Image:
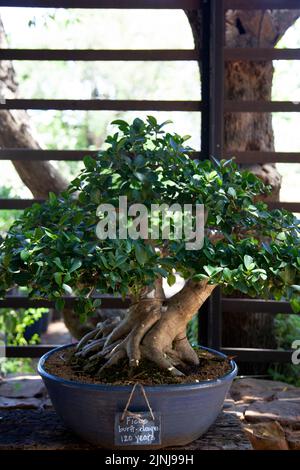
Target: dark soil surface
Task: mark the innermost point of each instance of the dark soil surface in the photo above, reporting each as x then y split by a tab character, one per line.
211	367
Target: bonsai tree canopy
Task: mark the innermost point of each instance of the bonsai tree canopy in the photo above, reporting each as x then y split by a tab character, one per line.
54	250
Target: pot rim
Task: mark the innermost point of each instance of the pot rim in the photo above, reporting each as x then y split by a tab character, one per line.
151	388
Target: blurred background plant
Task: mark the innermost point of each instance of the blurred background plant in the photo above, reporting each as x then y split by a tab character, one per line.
287	329
21	327
7	217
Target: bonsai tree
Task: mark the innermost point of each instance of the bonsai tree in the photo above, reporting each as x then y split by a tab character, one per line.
55	249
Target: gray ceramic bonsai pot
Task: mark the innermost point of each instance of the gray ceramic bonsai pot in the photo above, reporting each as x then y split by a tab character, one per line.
186	410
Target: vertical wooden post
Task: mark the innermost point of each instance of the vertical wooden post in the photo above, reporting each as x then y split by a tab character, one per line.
212	138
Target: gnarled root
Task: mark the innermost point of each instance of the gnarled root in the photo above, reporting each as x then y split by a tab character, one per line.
149	331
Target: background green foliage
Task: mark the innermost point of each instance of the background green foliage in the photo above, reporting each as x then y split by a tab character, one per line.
13	324
287	328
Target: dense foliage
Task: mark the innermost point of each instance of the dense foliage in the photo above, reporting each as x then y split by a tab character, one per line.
53	248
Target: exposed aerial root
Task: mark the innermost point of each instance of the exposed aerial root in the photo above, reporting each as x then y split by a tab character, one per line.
91	347
123	328
175	360
153	314
108	326
90	335
106	350
112	361
160	359
184	350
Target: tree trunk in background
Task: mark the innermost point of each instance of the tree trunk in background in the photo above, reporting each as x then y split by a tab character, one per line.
249	80
39	177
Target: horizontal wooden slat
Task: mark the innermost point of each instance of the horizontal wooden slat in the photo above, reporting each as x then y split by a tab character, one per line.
260	4
77	155
256	53
32	154
130	4
103	105
25	302
17	203
261	106
289	206
99	55
28	351
258	355
67	155
153	4
228	305
259	306
252	156
149	105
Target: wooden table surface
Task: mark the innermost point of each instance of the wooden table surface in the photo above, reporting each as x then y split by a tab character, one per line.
44	430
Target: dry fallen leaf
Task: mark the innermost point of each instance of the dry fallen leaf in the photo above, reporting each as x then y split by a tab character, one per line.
267	436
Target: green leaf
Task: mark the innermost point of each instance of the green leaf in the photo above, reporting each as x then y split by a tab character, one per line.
173	144
75	265
120	122
287	275
40	263
267	247
152	121
52	198
67	277
231	191
248	262
199	277
67	288
138	124
50	234
165	123
59	304
209	270
295	304
58	263
58	278
241	286
161	271
89	162
141	254
227	274
171	279
104	261
281	236
24	255
97	303
140	176
295	287
139	161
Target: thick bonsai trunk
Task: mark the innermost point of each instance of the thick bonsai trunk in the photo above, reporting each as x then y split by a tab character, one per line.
152	330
